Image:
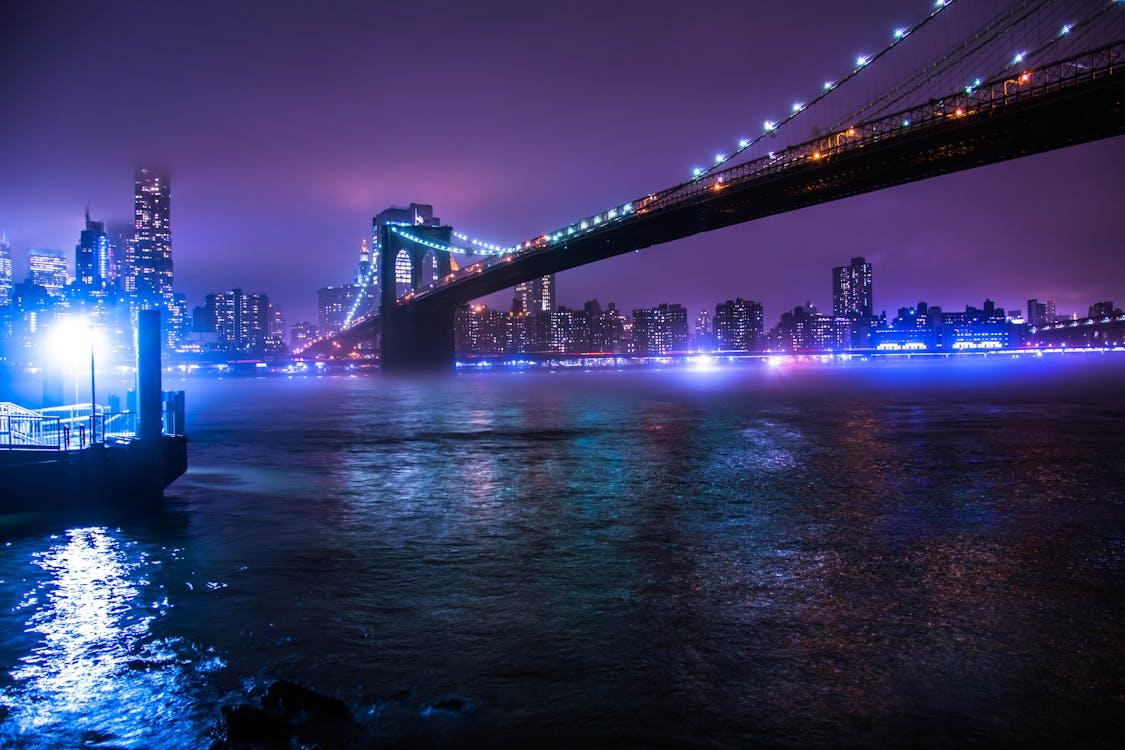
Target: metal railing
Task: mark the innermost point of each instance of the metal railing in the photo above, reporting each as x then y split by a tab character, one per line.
73	427
31	431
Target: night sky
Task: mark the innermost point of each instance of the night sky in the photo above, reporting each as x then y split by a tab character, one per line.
287	126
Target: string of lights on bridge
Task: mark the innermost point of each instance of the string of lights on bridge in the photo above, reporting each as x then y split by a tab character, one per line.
769	127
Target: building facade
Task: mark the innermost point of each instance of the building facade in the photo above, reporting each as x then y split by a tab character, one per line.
148	266
242	321
739	326
660	330
92	256
47	268
851	290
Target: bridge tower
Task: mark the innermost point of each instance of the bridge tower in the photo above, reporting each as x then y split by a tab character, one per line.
414	336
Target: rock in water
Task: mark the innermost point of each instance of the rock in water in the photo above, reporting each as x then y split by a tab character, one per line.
249	724
299	705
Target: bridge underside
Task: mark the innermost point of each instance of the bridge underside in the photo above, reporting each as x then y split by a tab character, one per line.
1067	117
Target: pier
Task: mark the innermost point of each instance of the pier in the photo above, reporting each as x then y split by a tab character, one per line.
80	455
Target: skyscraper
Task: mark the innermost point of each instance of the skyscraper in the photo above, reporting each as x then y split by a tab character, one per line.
47	268
851	290
536	296
5	271
91	256
241	320
149	262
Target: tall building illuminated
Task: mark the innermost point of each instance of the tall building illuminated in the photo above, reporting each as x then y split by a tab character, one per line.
851	290
241	320
149	260
91	255
5	271
536	296
47	268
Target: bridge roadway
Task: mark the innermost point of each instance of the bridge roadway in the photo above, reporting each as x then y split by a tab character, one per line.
1071	102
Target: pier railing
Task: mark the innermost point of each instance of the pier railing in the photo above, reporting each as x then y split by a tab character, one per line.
74	427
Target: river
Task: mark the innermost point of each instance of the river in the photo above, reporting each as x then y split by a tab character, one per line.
797	554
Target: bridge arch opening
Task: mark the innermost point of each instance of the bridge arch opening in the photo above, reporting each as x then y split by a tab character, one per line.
429	269
403	272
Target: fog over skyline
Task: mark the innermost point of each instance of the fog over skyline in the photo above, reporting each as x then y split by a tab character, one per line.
286	127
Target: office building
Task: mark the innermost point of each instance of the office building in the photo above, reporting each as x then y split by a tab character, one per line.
148	266
535	296
851	290
92	256
241	320
47	268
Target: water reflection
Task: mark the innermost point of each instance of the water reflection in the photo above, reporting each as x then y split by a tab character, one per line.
95	674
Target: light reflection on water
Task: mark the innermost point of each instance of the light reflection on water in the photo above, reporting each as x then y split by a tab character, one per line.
770	556
94	673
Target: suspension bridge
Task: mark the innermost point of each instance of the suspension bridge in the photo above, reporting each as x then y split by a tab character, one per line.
1007	80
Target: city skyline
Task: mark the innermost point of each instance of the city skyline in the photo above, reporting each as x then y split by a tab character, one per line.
249	216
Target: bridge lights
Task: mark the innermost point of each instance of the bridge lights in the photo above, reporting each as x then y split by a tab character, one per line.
769	125
697	172
720	158
862	60
829	85
1064	30
1018	58
743	143
900	32
798	106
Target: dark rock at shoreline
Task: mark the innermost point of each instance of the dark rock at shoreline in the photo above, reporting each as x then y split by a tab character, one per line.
249	724
301	705
288	714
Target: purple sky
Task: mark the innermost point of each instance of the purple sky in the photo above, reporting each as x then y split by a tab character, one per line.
286	126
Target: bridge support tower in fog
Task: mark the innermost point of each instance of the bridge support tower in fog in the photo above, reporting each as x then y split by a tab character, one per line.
414	336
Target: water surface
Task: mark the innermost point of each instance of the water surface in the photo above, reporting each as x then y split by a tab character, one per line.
795	555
